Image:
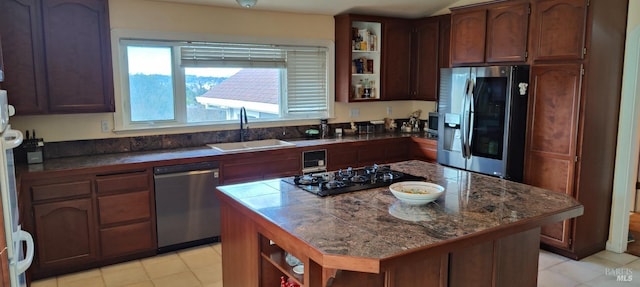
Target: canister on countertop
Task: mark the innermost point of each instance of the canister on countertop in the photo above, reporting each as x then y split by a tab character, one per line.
324	128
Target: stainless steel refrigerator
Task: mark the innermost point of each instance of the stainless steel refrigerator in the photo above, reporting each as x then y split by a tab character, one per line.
482	119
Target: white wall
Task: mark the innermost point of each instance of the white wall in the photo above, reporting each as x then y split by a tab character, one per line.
157	16
628	137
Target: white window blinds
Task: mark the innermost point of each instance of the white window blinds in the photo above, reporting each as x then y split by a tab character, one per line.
232	55
306	69
307	81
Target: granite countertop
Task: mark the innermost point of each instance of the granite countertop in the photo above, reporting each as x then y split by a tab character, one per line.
175	154
374	224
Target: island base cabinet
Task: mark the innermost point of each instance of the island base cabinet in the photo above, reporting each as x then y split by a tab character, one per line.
240	253
509	261
252	256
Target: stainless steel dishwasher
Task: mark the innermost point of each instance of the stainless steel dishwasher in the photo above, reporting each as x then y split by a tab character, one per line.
187	211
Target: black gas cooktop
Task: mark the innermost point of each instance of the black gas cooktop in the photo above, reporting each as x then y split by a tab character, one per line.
348	180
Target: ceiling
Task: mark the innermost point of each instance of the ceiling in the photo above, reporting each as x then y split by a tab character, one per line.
398	8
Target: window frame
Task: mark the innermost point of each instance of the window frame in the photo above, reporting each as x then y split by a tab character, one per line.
121	78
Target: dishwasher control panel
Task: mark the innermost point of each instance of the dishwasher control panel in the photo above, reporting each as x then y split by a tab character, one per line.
314	161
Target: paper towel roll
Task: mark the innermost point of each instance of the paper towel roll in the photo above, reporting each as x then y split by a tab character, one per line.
4	110
7	110
3	98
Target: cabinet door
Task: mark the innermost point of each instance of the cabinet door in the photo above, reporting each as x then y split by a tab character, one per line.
445	41
468	30
78	56
559	29
396	65
24	69
426	59
343	58
396	150
373	152
126	239
261	165
342	156
65	233
423	149
550	151
507	27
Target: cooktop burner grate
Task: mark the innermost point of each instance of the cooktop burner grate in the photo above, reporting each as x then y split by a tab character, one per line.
349	180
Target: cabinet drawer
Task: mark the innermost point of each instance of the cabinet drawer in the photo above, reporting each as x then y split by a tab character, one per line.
124	207
261	165
123	182
126	239
61	190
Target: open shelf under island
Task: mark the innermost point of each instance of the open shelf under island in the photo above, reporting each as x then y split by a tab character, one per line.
482	231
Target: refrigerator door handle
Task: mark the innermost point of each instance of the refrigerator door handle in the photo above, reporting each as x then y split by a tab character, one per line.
463	123
466	119
471	124
24	264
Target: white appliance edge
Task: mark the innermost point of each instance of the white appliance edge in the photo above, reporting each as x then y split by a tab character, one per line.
9	139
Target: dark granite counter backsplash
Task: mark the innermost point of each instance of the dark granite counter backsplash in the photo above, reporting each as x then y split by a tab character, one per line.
53	150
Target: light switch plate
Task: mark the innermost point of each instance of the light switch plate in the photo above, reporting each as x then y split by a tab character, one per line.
354	113
104	126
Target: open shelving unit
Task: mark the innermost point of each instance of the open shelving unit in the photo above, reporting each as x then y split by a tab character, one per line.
359	57
274	265
365	60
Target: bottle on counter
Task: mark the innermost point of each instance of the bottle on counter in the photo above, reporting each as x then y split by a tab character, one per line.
324	128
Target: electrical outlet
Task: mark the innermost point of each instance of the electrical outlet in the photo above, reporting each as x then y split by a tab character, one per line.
354	113
104	126
389	111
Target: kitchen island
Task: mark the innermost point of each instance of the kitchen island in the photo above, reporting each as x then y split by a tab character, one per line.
482	231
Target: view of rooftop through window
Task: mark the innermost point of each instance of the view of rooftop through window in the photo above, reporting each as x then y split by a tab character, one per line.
178	83
210	94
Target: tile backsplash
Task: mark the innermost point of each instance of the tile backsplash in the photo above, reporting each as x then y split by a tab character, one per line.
157	142
64	149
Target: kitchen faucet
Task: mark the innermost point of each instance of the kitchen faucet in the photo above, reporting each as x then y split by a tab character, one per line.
244	124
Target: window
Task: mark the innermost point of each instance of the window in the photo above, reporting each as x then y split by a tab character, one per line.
178	83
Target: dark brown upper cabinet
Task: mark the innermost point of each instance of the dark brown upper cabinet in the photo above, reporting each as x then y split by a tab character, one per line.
22	46
430	53
468	30
57	56
507	27
396	73
489	33
559	30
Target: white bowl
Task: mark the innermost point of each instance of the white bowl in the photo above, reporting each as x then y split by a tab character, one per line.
416	192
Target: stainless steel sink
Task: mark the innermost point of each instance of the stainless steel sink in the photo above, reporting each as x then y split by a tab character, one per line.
251	145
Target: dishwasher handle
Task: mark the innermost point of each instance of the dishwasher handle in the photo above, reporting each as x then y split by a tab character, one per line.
215	172
180	168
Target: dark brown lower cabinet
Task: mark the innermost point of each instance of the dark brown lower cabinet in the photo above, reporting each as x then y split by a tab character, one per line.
126	239
366	153
423	149
65	233
551	148
261	165
81	221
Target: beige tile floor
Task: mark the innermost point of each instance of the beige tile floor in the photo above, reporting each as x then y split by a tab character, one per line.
201	266
194	267
598	270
